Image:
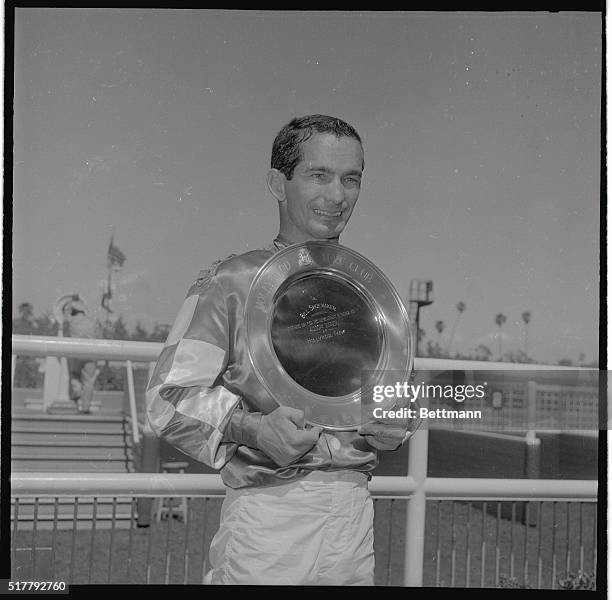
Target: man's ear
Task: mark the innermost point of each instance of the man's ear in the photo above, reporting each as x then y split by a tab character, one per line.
276	184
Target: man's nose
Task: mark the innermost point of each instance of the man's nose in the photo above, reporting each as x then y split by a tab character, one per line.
335	192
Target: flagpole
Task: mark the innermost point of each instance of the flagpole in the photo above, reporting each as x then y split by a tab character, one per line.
108	293
114	261
106	296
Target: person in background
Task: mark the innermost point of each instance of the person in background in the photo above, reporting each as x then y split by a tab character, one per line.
83	372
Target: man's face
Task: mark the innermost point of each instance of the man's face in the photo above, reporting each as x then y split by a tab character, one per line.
324	188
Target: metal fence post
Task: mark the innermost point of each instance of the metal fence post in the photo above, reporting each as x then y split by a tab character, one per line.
149	464
417	504
532	449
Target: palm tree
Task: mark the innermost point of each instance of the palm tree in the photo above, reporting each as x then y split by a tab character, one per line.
460	308
26	311
440	328
25	323
500	319
526	318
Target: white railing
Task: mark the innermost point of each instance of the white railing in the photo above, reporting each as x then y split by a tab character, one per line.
416	487
128	351
152	485
38	345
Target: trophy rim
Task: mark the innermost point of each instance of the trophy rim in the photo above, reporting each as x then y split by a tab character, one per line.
380	300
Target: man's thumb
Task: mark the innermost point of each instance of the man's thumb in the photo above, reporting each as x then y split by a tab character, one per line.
316	431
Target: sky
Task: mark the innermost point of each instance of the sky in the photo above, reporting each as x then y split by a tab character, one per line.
482	148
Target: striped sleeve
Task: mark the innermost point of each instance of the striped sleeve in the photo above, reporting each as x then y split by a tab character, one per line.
187	404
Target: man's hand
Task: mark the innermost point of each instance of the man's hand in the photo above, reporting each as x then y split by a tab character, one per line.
383	437
282	437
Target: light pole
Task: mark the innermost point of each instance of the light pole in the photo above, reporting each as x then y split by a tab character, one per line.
420	294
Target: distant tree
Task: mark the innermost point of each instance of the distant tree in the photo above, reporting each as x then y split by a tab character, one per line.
160	332
140	333
460	308
517	356
566	362
521	357
526	318
500	319
25	323
46	325
483	352
28	369
120	331
26	311
439	328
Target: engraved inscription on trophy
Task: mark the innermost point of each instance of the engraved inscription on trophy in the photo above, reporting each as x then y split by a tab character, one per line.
324	333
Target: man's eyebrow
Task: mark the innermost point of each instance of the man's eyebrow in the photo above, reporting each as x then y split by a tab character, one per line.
328	170
315	168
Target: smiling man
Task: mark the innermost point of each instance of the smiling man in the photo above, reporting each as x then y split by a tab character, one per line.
297	509
317	183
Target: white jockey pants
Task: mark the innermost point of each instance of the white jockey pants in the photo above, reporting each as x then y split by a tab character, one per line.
315	531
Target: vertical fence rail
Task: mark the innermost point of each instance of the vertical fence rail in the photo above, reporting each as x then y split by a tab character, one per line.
567	539
34	532
526	548
93	537
497	548
594	541
14	540
132	400
112	541
169	518
204	555
54	536
148	563
453	545
540	529
483	545
438	550
467	546
186	547
553	578
580	536
390	540
75	515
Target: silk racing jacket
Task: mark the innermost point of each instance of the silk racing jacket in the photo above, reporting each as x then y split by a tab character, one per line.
204	374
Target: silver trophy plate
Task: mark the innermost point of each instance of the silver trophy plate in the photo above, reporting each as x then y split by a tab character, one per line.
323	323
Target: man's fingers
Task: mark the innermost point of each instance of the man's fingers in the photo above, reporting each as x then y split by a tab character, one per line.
381	429
307	436
381	444
294	415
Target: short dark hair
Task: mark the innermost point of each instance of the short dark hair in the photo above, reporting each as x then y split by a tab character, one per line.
287	146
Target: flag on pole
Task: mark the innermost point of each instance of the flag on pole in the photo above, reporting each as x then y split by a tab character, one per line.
114	258
107	294
114	261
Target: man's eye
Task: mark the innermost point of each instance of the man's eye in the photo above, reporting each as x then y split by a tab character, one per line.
352	181
318	176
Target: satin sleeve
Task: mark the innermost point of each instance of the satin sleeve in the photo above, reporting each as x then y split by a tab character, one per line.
187	404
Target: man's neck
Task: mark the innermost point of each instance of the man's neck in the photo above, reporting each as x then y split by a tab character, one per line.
287	240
